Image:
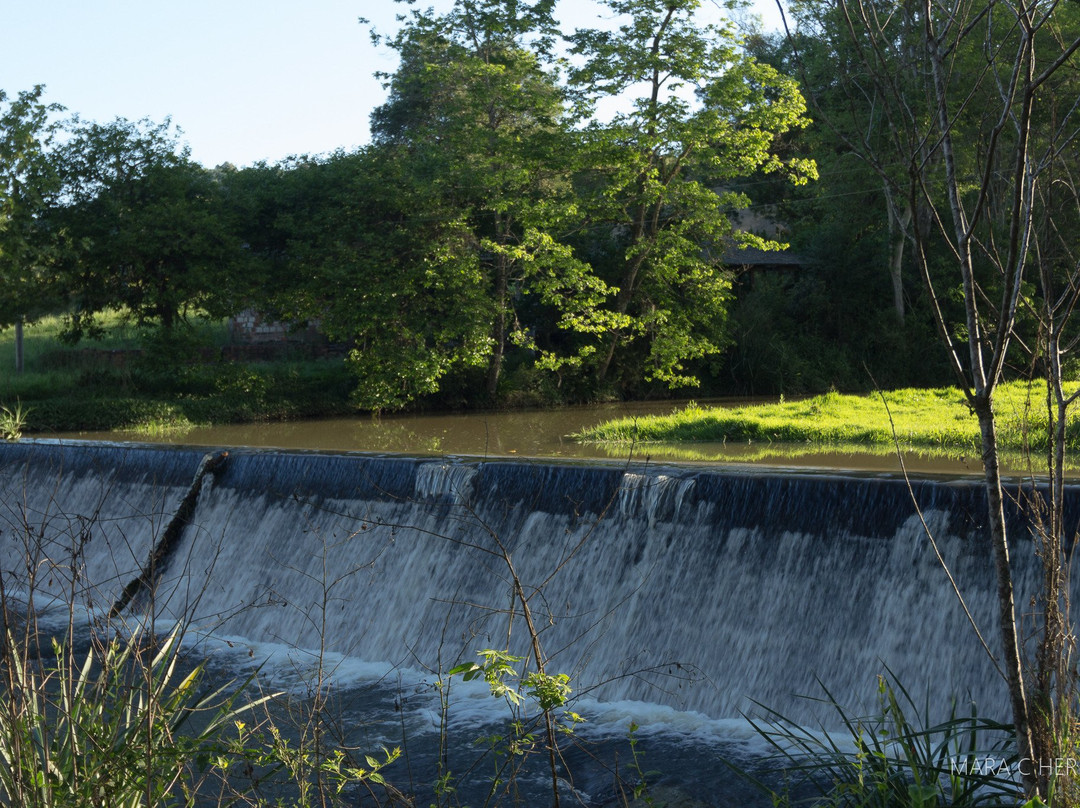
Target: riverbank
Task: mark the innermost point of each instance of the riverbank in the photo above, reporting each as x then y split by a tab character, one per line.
182	388
120	379
931	419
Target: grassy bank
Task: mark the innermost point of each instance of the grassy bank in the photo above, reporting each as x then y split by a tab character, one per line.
932	419
133	380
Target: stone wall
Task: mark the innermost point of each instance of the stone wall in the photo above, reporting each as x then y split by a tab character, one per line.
250	327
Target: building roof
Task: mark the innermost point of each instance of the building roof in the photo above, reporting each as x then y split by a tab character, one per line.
753	257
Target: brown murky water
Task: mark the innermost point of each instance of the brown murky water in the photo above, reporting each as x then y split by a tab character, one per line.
532	433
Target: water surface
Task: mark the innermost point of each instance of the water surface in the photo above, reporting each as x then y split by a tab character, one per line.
539	433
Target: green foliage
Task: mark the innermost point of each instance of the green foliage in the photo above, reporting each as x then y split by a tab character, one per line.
403	291
640	789
28	180
314	779
892	757
476	120
487	230
495	224
654	173
12	421
170	359
122	725
130	723
144	226
524	738
829	323
548	691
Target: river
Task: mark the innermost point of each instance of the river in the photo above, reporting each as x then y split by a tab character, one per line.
534	433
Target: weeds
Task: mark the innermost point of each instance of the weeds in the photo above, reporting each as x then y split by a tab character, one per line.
118	725
892	757
12	421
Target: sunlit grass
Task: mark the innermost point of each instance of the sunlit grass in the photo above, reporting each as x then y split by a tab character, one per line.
171	426
934	419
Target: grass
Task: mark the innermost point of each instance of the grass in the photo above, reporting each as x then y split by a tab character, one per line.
709	452
893	757
932	419
172	383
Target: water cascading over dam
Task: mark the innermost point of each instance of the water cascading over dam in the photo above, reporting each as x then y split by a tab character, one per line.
701	589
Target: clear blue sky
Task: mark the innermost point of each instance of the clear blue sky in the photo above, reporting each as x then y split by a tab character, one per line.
246	80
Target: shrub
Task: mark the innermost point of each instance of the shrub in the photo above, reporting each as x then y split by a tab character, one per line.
117	725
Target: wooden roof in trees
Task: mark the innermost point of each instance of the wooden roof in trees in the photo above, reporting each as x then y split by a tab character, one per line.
753	259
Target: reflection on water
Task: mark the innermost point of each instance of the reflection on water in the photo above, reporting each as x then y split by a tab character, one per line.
542	433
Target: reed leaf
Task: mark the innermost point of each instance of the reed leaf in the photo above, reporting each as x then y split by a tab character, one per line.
893	757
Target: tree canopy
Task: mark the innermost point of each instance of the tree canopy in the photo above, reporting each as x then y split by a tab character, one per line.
144	225
701	114
595	242
498	234
28	182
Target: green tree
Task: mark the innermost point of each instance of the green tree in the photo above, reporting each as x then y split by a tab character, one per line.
701	114
858	133
338	241
145	226
858	303
28	284
477	121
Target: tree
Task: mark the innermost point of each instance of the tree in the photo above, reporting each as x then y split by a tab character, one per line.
703	114
477	121
144	224
27	182
338	240
985	172
859	137
859	303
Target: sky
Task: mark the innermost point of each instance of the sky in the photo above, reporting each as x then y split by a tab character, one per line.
245	80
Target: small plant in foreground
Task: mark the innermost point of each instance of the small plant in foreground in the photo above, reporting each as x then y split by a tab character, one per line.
124	725
640	789
550	692
119	725
313	779
12	421
893	758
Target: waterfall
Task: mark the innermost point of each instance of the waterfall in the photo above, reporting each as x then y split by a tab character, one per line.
701	588
79	523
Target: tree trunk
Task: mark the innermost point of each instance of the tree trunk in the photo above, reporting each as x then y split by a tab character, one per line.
641	219
19	345
498	327
1010	644
1052	675
898	226
622	303
641	232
